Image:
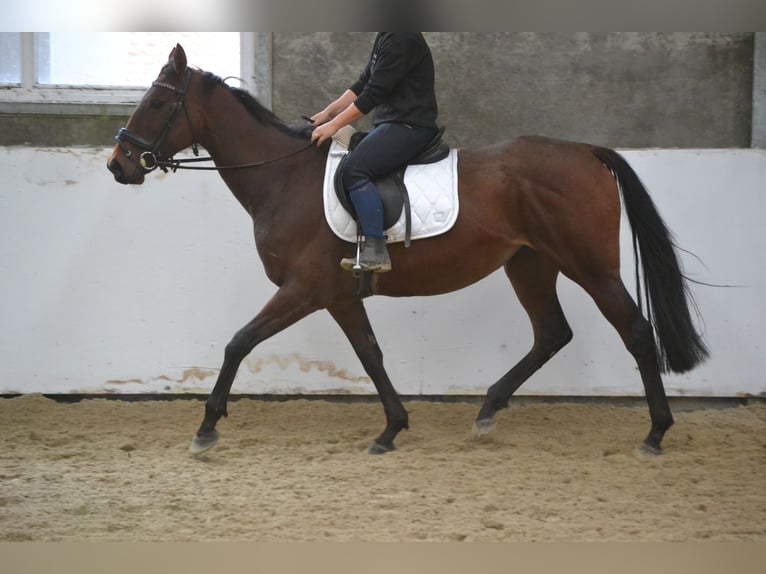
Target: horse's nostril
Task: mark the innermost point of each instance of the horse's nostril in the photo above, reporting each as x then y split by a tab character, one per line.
114	167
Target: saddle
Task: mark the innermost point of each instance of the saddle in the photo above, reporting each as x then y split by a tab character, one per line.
393	191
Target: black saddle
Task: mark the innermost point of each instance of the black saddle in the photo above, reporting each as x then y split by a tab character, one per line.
393	191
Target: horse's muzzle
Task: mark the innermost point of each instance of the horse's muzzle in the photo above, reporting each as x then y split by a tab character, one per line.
121	175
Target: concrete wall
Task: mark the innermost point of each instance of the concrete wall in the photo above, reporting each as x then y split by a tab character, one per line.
113	289
681	89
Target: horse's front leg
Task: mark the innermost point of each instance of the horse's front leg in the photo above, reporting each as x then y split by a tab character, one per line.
353	319
285	308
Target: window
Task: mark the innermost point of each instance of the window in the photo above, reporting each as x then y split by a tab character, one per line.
110	67
10	58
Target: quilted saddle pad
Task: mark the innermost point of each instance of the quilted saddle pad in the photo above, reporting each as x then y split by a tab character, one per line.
433	197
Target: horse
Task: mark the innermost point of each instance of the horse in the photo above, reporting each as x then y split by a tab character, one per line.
535	206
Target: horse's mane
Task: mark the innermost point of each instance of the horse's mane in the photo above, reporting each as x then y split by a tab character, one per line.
262	114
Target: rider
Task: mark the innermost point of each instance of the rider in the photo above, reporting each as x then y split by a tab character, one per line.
398	83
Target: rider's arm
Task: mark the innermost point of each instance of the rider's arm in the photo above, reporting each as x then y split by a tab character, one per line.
325	131
335	108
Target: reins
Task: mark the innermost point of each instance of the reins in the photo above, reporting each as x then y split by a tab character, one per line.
176	164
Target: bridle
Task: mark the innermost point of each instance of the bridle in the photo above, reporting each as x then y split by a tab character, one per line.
150	160
150	157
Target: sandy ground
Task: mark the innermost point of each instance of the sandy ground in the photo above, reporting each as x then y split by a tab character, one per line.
111	470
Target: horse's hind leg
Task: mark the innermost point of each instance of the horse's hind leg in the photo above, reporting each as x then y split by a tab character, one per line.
616	304
354	322
533	277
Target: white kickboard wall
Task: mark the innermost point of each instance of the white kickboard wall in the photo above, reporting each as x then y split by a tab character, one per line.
113	289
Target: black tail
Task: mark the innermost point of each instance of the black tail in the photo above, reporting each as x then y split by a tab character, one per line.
680	348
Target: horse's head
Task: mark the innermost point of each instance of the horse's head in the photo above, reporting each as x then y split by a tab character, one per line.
161	125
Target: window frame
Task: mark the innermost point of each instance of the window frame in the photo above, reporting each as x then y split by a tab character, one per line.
31	97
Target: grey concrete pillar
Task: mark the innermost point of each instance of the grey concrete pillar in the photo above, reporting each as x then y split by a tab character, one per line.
264	68
759	92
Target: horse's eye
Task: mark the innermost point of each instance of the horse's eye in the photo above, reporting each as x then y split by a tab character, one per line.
157	104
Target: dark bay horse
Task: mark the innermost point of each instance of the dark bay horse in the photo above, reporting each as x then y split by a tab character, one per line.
536	207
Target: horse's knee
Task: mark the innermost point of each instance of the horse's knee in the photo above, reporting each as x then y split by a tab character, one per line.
557	340
552	332
237	349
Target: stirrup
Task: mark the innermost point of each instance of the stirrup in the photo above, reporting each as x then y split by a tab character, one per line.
356	270
355	265
358	266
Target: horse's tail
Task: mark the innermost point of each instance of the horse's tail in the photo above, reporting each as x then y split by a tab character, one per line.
680	347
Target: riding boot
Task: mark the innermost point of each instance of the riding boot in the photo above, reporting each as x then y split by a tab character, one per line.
373	256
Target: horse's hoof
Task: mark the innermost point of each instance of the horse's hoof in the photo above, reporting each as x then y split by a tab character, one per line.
377	448
650	449
482	428
201	443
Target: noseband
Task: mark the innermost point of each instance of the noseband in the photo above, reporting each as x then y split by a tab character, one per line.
150	157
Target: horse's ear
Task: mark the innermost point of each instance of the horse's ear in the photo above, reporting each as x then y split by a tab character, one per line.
178	57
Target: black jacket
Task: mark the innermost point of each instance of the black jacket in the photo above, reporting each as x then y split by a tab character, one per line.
398	81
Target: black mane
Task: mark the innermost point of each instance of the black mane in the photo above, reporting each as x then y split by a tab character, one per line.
262	114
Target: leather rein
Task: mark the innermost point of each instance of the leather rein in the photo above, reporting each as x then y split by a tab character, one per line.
150	160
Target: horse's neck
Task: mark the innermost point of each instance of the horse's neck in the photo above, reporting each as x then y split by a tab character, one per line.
234	137
239	139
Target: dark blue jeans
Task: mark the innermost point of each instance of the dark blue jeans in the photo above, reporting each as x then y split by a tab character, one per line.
386	147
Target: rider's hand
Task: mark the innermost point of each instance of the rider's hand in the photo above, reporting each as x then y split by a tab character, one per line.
322	133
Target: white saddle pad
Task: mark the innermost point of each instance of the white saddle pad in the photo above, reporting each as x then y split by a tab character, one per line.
433	196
